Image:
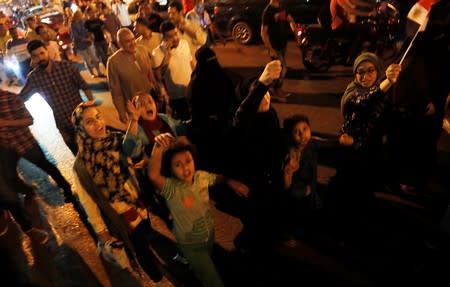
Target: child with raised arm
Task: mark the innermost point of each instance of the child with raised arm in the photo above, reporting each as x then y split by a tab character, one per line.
186	194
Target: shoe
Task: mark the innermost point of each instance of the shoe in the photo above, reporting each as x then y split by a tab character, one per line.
400	189
68	196
4	222
288	241
38	235
181	259
392	189
407	188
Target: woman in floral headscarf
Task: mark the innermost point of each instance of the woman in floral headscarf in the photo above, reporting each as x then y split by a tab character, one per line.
102	160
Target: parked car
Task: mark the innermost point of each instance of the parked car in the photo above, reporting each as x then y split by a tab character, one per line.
241	19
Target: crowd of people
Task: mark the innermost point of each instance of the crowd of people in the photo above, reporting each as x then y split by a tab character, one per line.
189	127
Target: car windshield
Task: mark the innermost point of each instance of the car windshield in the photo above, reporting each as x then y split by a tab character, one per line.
33	10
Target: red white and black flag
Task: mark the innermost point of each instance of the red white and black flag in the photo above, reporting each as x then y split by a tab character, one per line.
418	17
417	21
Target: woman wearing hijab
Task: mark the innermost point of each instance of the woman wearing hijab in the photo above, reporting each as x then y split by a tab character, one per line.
213	102
363	102
363	107
359	172
102	168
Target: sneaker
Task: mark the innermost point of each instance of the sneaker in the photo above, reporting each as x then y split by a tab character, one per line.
3	222
68	196
181	259
38	235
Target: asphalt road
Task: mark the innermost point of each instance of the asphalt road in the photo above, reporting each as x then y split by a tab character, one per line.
401	245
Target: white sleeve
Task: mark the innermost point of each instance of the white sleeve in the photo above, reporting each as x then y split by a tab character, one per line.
157	57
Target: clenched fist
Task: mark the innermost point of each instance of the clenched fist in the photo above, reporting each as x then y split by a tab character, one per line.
271	72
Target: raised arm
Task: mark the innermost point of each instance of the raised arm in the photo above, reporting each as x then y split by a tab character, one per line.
292	23
154	170
250	105
392	73
132	142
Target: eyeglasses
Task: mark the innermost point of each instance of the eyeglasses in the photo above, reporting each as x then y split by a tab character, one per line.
362	72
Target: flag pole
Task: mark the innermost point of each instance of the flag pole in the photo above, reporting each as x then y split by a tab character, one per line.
410	45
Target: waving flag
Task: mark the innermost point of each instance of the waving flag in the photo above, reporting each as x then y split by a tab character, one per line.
418	16
417	21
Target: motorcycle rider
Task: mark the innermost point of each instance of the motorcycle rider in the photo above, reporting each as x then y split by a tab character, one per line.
343	19
343	11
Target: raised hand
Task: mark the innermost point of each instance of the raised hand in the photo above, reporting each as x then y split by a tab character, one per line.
135	110
392	72
238	187
164	140
271	72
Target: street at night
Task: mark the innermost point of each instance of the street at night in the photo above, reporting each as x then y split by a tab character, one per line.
404	242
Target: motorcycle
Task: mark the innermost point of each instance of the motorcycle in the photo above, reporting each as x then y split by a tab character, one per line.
65	44
322	48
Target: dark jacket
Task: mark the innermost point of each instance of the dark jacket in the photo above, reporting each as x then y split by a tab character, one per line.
259	143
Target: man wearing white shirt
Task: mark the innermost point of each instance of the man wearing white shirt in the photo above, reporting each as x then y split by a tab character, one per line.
188	30
121	10
172	60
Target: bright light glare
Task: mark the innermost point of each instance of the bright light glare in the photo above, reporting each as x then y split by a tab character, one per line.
73	7
40	110
13	65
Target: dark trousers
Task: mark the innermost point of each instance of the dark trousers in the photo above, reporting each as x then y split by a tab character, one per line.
261	214
101	48
37	157
68	134
141	238
405	149
9	198
281	55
